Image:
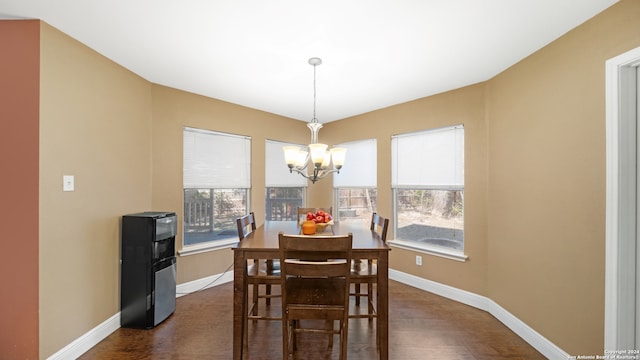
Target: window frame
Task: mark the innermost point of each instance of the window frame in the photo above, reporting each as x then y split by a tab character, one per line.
245	173
440	251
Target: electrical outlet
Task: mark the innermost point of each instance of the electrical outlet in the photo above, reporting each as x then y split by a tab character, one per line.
418	260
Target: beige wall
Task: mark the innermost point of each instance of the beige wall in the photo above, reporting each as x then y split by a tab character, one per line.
547	181
95	124
534	180
463	106
534	209
172	111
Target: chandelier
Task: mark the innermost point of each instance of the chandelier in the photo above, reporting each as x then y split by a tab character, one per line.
316	156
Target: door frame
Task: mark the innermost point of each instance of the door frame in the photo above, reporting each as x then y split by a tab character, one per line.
621	198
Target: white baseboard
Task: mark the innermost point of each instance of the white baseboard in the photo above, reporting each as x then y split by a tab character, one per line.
539	342
204	283
85	342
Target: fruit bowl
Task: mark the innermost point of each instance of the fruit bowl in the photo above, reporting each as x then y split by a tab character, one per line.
321	218
320	227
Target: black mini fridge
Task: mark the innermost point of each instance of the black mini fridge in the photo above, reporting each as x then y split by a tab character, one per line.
148	269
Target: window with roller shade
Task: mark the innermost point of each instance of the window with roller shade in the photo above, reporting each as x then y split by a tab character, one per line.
428	187
355	187
216	182
285	191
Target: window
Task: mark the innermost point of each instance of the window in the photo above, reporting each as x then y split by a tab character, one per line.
216	181
355	192
285	191
428	187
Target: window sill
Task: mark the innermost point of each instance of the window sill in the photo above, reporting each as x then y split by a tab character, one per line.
206	247
431	250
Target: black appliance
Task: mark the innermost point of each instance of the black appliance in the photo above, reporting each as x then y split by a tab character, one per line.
148	269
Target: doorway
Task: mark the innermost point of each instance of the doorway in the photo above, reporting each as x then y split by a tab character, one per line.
622	282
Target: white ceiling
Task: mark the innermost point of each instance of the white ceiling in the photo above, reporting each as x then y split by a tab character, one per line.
375	53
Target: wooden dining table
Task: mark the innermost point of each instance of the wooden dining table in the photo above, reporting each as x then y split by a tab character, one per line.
263	244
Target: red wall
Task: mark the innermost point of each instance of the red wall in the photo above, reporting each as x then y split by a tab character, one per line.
19	126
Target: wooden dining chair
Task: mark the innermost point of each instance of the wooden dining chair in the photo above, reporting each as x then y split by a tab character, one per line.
260	272
305	211
314	277
366	272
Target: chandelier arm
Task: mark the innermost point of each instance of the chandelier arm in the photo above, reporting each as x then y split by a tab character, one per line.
317	173
304	174
322	173
306	163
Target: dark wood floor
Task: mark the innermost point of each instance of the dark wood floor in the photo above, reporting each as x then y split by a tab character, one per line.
422	326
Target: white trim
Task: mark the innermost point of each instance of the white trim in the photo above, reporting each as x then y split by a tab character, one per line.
539	342
85	342
204	283
615	321
535	339
91	338
430	250
206	247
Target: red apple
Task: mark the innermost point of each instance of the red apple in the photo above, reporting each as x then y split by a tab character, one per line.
310	216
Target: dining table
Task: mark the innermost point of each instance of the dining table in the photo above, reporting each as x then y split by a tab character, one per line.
262	243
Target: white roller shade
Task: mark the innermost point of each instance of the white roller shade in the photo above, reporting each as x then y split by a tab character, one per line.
430	159
361	165
216	160
276	170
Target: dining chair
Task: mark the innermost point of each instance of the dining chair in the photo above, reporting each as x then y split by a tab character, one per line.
305	211
260	272
314	277
366	272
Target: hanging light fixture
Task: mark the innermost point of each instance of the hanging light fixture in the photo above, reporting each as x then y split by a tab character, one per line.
317	156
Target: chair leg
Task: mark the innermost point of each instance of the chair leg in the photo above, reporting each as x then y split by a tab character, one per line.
256	291
357	288
285	339
245	320
268	287
329	327
294	326
370	299
344	328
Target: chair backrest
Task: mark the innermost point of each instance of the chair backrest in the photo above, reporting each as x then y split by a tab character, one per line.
315	256
245	223
380	225
304	211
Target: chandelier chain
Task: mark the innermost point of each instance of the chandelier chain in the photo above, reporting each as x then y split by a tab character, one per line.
314	94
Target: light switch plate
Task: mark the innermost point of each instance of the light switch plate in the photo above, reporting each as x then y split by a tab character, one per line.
68	183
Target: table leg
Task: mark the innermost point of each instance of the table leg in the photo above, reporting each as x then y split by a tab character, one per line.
383	304
239	303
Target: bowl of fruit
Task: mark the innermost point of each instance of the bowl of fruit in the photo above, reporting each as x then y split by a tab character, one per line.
321	218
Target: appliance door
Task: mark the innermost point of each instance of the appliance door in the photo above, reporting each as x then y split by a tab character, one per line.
166	227
165	290
163	249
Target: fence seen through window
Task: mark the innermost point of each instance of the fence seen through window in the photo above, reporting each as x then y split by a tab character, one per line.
210	214
282	203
